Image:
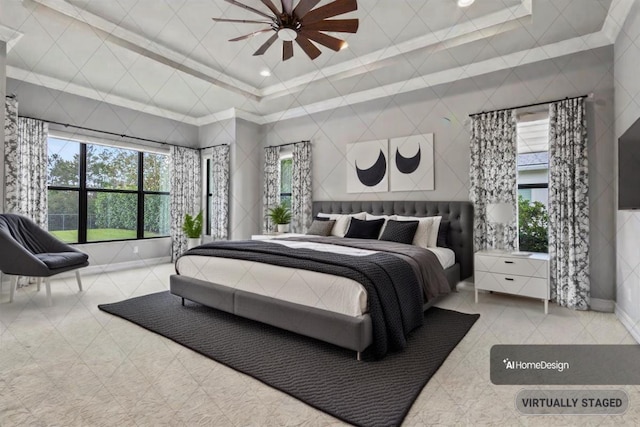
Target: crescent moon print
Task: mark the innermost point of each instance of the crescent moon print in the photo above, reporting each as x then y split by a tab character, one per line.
407	165
416	172
375	174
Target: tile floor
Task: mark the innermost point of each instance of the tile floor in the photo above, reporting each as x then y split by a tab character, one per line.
72	364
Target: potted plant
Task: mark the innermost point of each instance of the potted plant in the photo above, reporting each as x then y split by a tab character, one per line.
192	227
281	216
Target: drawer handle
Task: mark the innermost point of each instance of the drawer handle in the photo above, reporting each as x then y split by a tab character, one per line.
509	279
508	262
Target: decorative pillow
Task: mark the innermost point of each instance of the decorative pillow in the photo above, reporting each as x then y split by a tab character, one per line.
400	231
321	227
370	217
427	233
342	222
443	234
359	229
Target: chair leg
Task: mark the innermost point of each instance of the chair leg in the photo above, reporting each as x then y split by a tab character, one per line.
38	283
47	284
79	280
12	287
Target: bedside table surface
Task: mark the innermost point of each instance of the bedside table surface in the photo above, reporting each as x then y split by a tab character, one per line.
505	254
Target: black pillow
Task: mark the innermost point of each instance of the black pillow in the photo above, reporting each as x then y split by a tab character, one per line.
321	218
400	231
360	229
443	234
321	228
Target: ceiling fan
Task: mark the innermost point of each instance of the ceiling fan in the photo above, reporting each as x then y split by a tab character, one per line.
301	24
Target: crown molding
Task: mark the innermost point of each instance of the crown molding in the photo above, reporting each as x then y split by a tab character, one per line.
529	56
75	89
618	12
10	36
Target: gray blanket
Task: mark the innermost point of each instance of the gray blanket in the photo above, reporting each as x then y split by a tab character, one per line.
425	263
394	291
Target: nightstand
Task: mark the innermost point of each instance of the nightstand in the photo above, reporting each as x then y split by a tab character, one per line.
526	276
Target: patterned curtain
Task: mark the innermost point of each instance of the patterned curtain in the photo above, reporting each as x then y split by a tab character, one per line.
271	194
219	186
569	204
301	190
493	175
184	172
26	167
10	143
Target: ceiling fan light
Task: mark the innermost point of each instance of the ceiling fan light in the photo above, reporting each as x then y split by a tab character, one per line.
344	45
265	73
465	3
287	34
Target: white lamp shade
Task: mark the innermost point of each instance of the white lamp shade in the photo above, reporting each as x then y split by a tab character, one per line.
501	213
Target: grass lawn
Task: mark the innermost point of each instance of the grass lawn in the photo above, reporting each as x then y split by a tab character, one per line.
99	234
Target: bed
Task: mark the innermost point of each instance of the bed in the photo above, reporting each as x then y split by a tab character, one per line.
340	314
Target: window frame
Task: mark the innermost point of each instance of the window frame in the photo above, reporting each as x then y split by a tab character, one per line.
83	192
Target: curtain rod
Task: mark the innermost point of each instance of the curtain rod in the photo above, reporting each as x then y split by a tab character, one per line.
529	105
121	135
285	145
213	146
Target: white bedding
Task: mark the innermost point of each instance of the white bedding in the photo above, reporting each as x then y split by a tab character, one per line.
310	288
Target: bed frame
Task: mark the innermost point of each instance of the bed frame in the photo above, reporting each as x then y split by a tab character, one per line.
354	333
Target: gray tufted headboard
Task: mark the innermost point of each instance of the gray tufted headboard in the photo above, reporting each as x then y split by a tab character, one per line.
460	215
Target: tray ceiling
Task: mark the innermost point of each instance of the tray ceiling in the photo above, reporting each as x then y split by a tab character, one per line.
169	58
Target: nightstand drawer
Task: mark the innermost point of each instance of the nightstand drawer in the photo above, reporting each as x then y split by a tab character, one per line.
521	266
534	287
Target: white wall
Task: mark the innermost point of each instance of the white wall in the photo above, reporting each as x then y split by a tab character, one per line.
444	111
627	111
246	181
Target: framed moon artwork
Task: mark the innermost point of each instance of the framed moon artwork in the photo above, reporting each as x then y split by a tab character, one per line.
411	163
368	167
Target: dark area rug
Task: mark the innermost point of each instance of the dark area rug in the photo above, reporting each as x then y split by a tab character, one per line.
324	376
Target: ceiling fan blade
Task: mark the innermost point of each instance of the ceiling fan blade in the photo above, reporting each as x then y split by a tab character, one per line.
335	25
304	7
241	21
336	8
324	39
287	6
244	6
272	7
266	45
255	33
309	48
287	50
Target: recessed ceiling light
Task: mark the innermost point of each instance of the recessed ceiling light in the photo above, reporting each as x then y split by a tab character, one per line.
265	73
465	3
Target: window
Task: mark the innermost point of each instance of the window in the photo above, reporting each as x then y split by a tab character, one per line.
533	183
100	193
286	163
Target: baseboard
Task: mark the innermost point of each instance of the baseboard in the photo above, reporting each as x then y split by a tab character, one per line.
119	266
628	323
603	305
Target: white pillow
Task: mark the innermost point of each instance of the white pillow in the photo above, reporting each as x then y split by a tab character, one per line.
372	217
342	222
427	233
